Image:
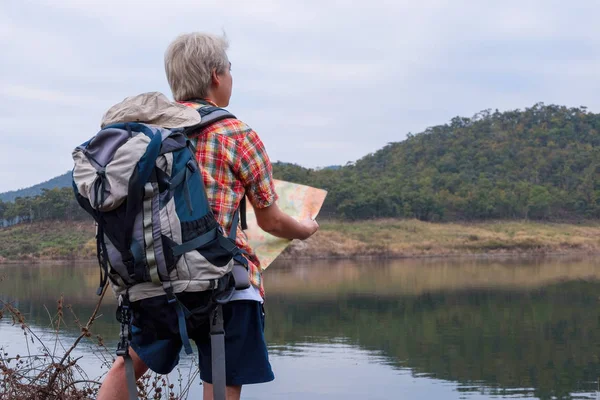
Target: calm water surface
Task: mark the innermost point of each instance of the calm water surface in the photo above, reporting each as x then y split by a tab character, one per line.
411	329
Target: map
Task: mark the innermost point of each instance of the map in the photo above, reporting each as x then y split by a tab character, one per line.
298	201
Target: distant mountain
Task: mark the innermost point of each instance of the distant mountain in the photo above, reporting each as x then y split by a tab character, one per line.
64	180
61	181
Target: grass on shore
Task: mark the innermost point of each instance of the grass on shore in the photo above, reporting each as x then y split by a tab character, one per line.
416	238
62	240
48	240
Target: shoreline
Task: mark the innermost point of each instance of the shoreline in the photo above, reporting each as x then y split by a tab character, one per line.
73	241
354	257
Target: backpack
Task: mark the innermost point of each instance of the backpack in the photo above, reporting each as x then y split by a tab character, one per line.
156	233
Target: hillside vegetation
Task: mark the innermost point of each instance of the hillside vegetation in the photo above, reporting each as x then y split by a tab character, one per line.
56	240
541	163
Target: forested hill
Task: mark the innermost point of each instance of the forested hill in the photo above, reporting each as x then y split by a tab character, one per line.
539	163
542	162
61	181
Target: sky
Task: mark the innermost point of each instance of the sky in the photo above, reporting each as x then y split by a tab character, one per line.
323	82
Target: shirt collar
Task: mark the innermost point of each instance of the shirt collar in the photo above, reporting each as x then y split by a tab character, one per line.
198	101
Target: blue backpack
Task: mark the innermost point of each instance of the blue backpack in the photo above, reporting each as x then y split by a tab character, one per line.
157	236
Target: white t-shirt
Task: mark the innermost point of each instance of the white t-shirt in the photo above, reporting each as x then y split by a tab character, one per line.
251	293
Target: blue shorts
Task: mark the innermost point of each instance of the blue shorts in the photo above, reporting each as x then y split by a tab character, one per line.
246	356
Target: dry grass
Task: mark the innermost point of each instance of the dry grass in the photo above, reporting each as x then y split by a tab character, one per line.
48	370
409	238
64	240
48	240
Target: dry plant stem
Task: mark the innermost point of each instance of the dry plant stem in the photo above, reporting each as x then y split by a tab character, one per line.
84	333
80	381
16	313
188	385
51	318
55	380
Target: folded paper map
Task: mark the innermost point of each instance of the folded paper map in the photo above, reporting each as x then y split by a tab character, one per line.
296	200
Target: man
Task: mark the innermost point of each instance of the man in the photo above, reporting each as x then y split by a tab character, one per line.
234	164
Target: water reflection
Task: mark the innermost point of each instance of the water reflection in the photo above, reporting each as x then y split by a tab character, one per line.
495	327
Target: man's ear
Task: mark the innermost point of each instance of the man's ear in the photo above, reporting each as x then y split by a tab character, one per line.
215	78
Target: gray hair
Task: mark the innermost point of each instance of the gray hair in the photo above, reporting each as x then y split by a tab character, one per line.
190	60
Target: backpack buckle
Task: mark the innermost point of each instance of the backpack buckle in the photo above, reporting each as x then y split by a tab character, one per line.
191	165
123	310
171	298
122	349
124	317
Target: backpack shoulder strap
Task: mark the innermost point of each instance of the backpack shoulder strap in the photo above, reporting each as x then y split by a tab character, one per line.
211	114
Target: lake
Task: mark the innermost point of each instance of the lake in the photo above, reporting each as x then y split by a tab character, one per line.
475	328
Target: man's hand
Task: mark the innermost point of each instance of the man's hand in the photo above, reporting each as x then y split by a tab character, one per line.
310	226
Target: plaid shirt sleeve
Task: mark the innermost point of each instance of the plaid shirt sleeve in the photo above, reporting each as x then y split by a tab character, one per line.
253	169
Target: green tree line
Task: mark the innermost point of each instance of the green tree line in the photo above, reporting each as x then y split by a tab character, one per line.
51	204
539	163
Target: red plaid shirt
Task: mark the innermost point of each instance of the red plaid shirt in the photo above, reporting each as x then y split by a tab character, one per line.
234	163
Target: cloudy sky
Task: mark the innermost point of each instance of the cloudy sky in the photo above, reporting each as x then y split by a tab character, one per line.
322	81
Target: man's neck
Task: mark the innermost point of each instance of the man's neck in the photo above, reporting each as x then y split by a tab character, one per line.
208	100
